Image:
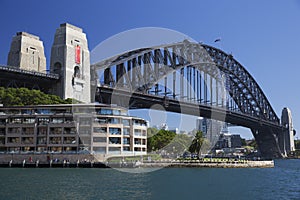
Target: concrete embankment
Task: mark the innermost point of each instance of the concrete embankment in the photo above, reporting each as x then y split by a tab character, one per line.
87	160
236	164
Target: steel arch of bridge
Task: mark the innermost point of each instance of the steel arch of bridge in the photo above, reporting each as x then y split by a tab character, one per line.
140	70
241	86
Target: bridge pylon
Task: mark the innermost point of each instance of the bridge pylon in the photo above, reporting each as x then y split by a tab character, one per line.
70	58
286	138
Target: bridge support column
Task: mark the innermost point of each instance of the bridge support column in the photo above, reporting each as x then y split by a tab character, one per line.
286	137
267	142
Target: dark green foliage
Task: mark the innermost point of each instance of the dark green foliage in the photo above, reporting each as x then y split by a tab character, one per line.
158	139
179	144
297	144
253	144
197	143
244	143
24	96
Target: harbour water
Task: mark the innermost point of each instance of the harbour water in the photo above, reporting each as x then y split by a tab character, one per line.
281	182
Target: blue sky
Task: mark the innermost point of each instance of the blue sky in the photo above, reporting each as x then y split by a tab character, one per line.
262	35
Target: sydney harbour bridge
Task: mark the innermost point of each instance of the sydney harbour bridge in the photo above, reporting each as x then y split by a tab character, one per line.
185	77
195	79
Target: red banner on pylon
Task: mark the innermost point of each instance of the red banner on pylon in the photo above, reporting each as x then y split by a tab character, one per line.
77	54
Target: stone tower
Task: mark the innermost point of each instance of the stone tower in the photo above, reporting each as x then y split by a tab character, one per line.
27	52
70	58
286	139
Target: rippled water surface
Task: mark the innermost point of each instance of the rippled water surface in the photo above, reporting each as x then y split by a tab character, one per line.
281	182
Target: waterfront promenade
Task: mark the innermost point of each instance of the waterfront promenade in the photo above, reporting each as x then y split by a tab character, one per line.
89	161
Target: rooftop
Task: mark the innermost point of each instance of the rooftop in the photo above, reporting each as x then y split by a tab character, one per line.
71	26
27	35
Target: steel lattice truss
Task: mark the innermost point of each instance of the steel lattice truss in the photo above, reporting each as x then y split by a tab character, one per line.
140	71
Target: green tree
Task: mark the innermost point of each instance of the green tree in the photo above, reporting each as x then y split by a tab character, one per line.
297	144
24	96
244	143
179	144
159	139
197	143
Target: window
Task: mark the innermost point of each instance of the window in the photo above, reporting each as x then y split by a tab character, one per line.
43	121
55	131
116	112
69	140
28	121
14	130
16	121
57	66
137	141
113	121
41	140
126	148
43	111
13	140
99	139
126	131
2	131
69	130
27	140
76	72
57	120
99	149
115	131
126	140
55	140
2	121
28	131
114	149
101	120
126	122
104	111
26	112
41	149
2	140
100	130
137	132
42	131
139	123
114	140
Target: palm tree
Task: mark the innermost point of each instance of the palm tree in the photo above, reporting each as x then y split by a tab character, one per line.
197	143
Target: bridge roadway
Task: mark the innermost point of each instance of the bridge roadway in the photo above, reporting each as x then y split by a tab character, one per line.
265	132
16	77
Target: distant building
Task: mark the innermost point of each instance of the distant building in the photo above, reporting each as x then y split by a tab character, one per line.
236	141
174	130
228	141
164	126
210	128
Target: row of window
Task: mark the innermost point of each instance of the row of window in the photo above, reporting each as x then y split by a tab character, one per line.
57	120
71	140
40	130
101	111
83	122
71	130
54	149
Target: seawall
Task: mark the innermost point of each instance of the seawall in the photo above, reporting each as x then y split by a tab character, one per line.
236	164
88	160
